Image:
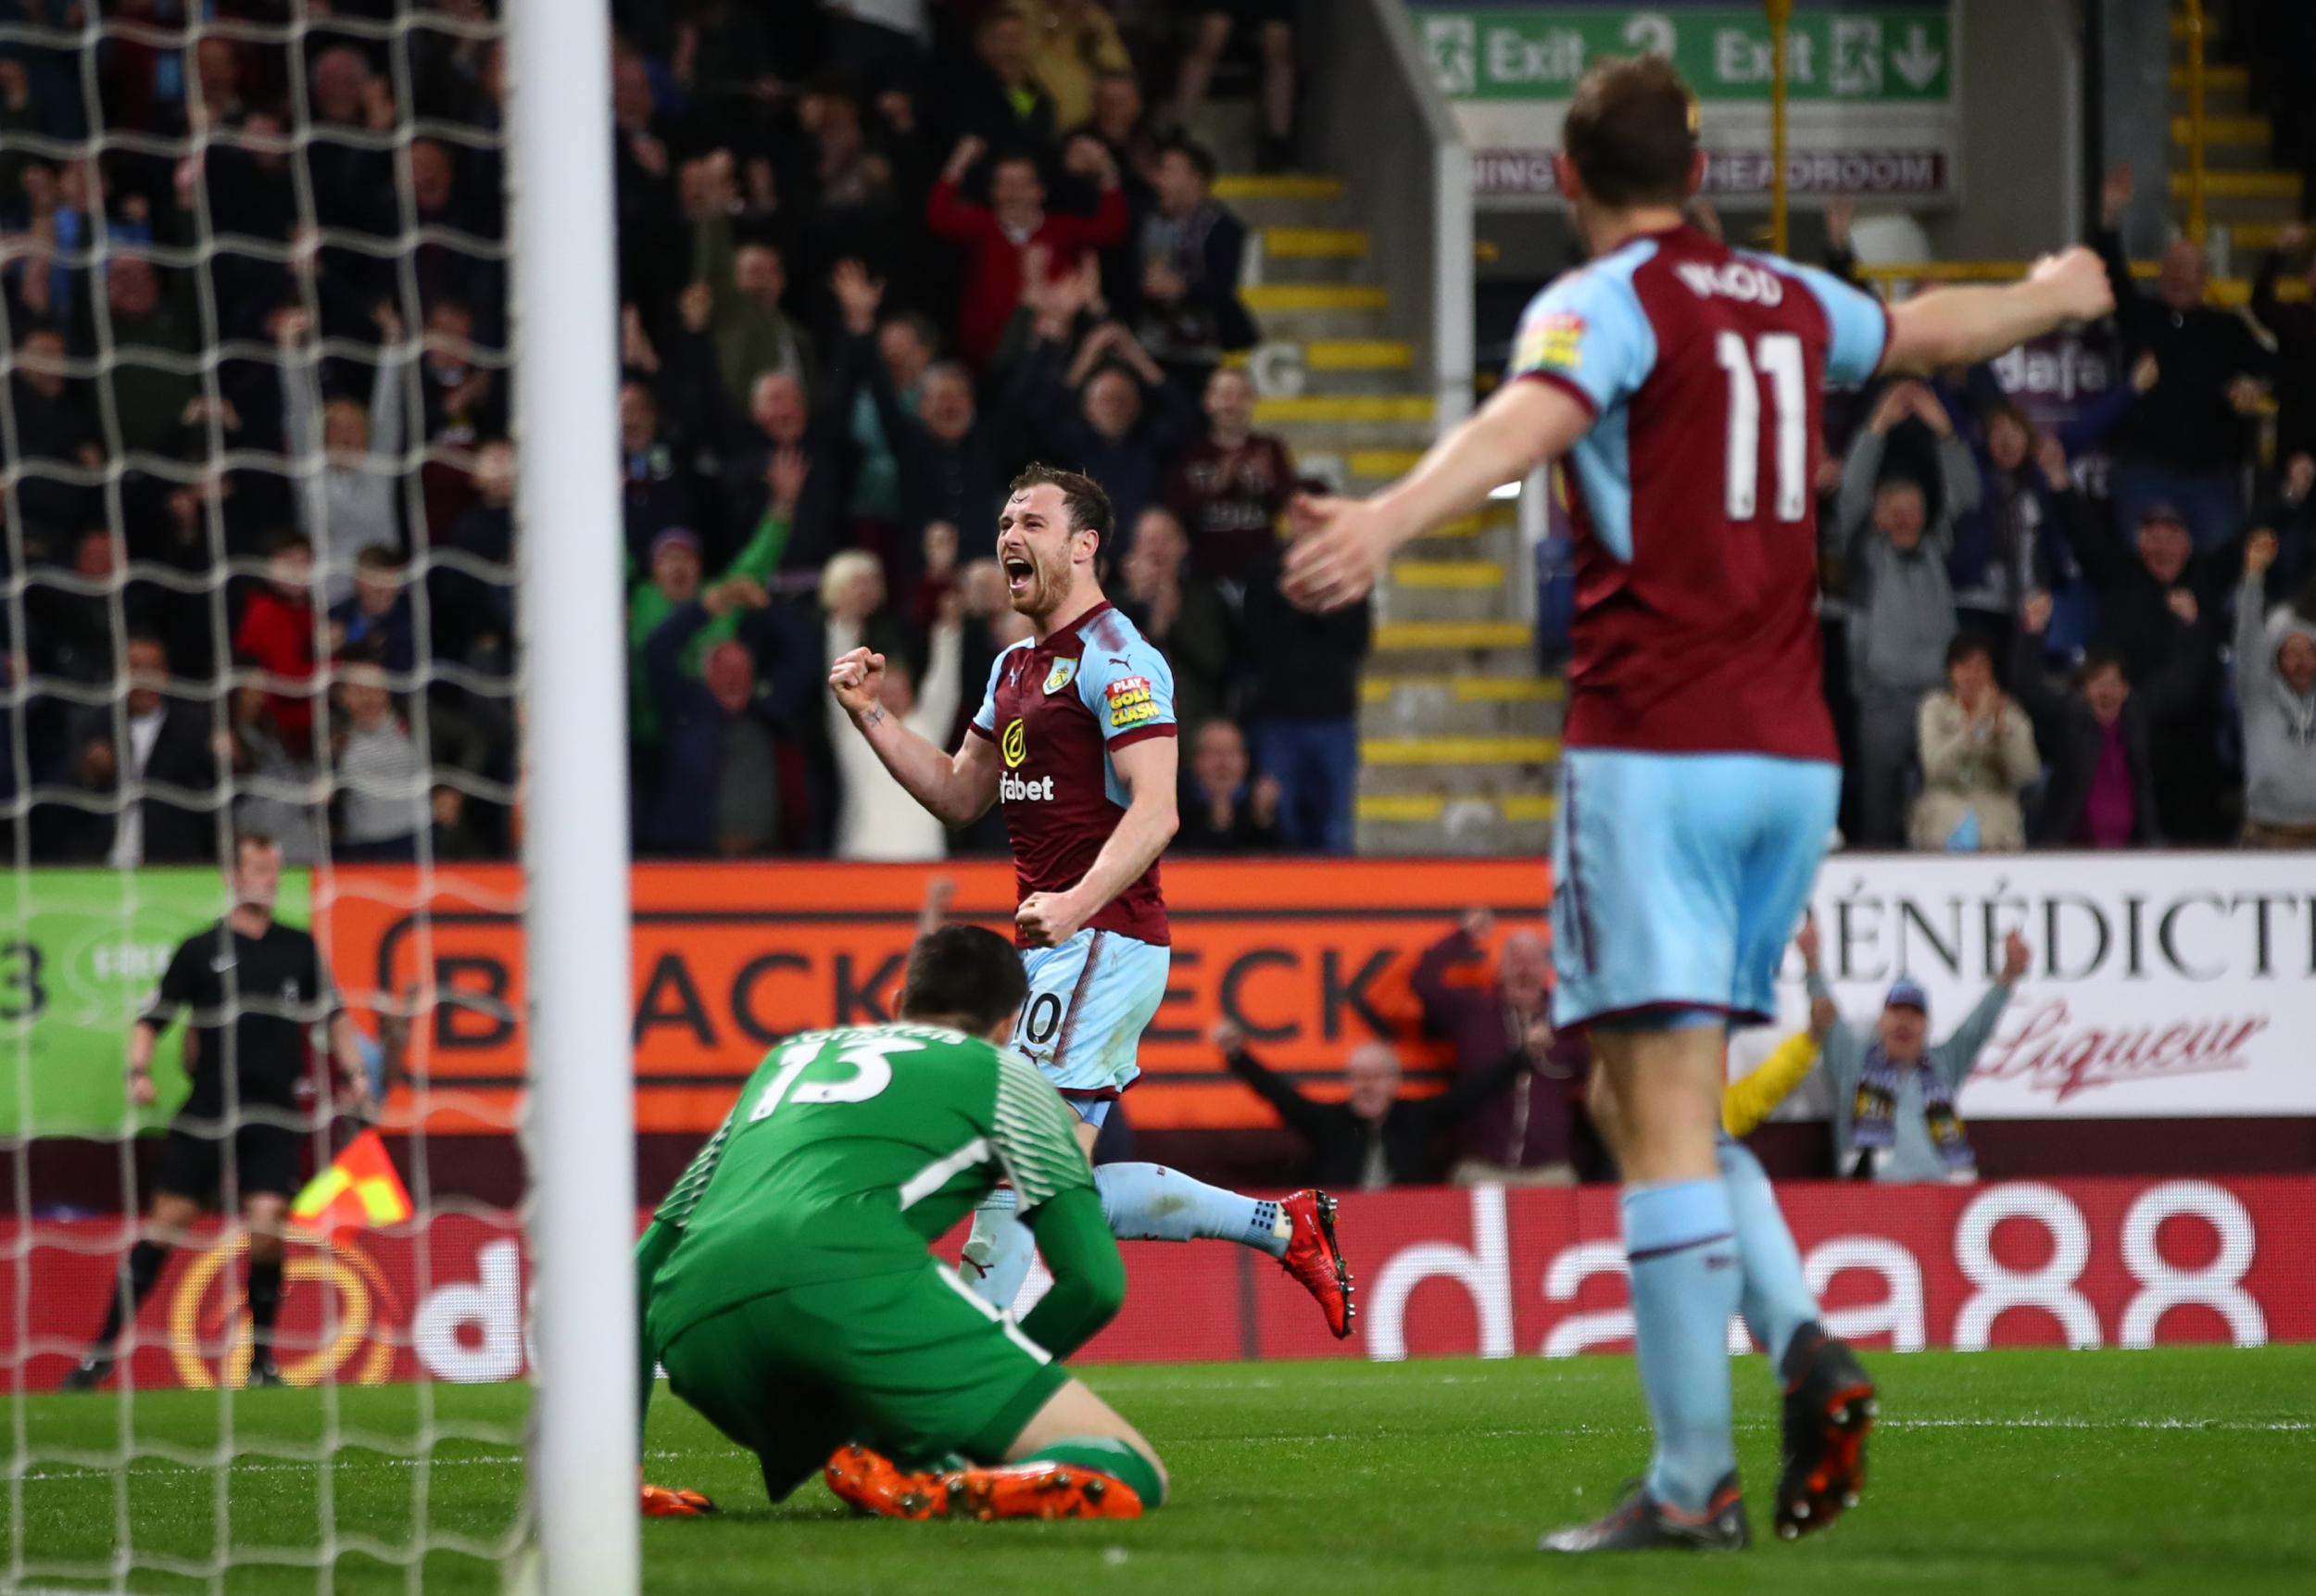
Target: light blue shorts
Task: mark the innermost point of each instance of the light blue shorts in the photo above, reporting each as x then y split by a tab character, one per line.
1088	1002
1677	879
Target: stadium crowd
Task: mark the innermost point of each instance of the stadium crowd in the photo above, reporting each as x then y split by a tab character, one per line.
2099	634
872	261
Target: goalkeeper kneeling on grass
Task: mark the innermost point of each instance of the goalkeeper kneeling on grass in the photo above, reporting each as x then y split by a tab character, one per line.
785	1286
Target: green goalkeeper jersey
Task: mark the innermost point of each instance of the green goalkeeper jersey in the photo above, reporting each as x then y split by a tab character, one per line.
845	1153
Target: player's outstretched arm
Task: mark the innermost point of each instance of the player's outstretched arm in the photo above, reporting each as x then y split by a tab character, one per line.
1961	326
1341	545
958	789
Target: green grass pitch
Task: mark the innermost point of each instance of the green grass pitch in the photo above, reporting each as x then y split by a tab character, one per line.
2010	1472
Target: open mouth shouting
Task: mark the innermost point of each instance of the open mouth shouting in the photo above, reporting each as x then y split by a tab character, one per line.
1019	574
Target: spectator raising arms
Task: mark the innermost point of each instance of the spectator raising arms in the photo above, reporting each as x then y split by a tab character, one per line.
1522	1139
748	280
2159	612
2185	439
995	236
719	787
1273	24
2276	686
1901	599
999	101
1112	415
1374	1138
1893	1096
1978	755
1072	43
350	502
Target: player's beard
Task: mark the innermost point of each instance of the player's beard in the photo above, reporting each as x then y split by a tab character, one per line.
1048	591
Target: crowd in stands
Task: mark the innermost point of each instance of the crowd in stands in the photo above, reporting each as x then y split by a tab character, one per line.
2096	635
873	260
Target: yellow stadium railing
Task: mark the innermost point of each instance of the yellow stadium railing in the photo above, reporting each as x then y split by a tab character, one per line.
2198	223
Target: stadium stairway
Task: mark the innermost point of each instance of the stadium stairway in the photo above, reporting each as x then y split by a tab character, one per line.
1458	737
2248	200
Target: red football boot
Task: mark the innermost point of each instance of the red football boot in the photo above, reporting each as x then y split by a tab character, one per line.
1312	1259
873	1484
660	1502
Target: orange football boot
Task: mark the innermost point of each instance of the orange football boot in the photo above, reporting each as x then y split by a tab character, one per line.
872	1483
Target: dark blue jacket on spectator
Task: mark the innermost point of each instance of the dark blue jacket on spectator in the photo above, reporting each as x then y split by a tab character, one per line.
391	635
1131	468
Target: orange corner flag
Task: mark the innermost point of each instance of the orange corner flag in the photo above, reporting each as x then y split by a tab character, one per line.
360	1189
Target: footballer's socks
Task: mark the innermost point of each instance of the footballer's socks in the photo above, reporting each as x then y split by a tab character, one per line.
998	1252
1681	1247
1151	1202
1775	1299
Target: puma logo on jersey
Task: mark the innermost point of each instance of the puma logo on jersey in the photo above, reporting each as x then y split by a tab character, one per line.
1011	789
1737	280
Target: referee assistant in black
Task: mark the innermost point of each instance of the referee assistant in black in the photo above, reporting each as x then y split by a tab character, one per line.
251	988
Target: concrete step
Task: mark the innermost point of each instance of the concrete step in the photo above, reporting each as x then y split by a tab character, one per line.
1306	254
2266	185
1426	825
1466	688
1299	320
2219	77
1243	190
2219	130
1350	422
1346	409
1284	369
1450	637
1363	471
2235	102
1268	299
1469	532
1439	752
1427	590
2255	237
1374	468
1472	575
1314	243
1283	199
1459	705
1425	765
1397	606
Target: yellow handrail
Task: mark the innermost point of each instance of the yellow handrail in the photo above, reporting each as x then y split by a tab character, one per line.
1780	15
2196	222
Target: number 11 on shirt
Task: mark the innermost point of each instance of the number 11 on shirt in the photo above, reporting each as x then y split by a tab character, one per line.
1778	357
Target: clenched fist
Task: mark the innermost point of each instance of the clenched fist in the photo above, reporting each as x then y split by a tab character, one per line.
855	679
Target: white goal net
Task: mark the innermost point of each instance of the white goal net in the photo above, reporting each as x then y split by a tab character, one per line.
281	1256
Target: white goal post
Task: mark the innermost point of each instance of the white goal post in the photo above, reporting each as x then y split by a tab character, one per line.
581	1126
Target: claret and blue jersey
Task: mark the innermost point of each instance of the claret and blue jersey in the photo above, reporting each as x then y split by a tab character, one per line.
1701	777
1059	711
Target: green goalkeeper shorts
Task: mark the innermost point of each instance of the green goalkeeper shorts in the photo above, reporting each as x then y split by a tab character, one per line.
910	1363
